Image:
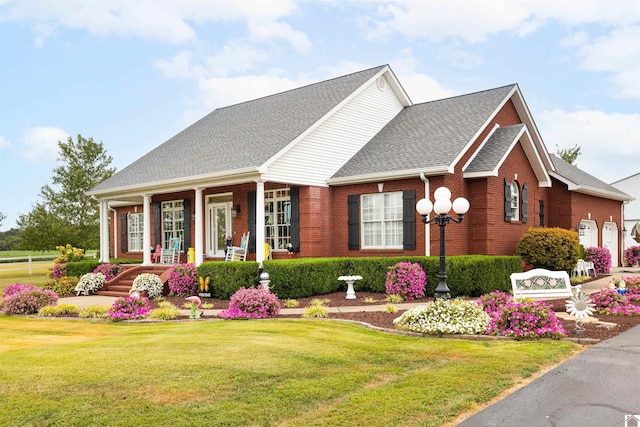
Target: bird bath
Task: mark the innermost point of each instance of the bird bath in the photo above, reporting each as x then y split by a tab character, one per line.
350	280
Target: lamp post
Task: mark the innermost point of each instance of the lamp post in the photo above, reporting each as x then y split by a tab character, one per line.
441	207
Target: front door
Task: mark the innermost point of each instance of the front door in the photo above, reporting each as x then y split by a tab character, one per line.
218	228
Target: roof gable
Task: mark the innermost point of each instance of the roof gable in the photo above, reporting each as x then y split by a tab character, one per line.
240	137
427	137
495	149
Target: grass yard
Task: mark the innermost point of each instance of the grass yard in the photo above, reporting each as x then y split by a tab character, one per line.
56	372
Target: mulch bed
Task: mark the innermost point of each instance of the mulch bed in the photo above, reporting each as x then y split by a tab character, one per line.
383	319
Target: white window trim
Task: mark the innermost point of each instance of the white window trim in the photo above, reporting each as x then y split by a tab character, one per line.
515	201
176	232
271	196
136	235
382	221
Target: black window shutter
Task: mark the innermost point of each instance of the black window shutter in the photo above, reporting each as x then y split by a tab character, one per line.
251	220
294	228
525	203
157	223
507	200
124	232
541	202
187	224
409	219
353	215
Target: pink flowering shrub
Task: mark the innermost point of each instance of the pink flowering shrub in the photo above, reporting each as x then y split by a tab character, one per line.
407	280
610	302
632	256
600	257
183	280
533	319
59	270
251	303
109	271
26	299
493	302
129	308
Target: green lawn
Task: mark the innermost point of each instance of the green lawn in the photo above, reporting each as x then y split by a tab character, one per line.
56	372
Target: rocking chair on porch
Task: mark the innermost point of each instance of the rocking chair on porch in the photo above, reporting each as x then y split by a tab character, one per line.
238	253
172	255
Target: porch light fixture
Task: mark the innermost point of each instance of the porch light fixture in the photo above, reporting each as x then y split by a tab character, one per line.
441	207
235	210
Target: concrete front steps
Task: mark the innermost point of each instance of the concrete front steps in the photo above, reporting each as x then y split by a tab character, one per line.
120	285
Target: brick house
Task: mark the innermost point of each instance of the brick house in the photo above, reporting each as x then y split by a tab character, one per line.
335	169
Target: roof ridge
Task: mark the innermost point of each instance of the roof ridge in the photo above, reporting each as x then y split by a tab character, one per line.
467	94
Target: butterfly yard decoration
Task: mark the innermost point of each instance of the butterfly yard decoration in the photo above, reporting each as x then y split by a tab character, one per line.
581	307
204	287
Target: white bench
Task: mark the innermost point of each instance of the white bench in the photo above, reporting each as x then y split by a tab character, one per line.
542	283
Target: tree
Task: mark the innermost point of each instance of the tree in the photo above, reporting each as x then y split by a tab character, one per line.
66	213
569	155
2	218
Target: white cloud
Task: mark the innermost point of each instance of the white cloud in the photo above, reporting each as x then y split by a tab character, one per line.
610	143
474	21
617	53
166	21
272	30
4	142
41	143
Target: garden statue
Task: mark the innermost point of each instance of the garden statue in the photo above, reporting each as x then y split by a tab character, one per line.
195	305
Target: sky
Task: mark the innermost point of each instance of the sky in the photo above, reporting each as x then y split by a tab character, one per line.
133	73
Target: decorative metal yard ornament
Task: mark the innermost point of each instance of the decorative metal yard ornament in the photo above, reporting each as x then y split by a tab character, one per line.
195	305
581	307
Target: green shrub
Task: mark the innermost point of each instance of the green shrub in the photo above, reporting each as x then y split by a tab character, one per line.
68	254
64	309
444	317
228	277
551	248
64	286
95	312
317	309
165	311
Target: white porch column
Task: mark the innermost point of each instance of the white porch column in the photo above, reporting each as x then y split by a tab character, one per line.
146	233
260	222
199	246
115	234
104	231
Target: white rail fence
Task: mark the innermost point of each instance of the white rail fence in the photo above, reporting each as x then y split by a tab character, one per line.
27	262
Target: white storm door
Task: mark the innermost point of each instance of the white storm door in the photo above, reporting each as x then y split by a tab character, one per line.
218	228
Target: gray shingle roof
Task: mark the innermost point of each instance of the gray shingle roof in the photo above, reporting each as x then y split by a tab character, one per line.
495	149
582	179
239	136
428	135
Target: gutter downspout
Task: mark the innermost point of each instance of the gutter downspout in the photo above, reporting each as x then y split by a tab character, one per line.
427	229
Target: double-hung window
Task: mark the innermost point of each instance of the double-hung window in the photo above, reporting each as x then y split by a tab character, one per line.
515	201
277	218
135	227
382	220
172	222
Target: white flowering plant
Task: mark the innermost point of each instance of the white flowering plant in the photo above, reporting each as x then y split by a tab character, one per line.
149	283
444	317
90	283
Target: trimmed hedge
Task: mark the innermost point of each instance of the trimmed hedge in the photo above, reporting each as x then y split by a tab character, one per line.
80	268
468	275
